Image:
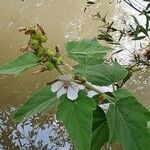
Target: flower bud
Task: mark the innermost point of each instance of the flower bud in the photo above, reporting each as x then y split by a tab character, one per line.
49	65
40	51
34	43
43	38
50	52
59	61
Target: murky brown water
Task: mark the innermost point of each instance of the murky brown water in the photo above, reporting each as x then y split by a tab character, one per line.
63	21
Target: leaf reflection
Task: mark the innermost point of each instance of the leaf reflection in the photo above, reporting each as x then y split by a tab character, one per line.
41	131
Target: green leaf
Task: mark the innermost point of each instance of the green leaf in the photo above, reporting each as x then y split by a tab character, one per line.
127	121
135	20
77	117
102	74
41	101
105	36
100	130
148	126
142	29
20	64
123	93
87	51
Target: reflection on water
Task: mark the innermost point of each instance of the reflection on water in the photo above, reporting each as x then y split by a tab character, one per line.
40	132
139	84
62	20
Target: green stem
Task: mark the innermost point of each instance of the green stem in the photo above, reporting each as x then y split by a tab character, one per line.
113	86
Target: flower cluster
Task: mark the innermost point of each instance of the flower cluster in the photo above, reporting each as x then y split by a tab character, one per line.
65	85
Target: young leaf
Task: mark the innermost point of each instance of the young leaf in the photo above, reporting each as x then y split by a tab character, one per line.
41	101
142	29
106	37
100	130
87	50
122	94
20	64
127	121
77	117
102	74
135	20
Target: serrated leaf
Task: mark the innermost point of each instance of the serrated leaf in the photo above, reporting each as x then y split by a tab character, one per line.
87	51
77	117
127	121
100	134
41	101
102	74
20	64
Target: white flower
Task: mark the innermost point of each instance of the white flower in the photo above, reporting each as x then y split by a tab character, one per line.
105	107
102	89
66	86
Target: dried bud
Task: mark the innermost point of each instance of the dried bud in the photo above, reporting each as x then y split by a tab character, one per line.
41	29
57	49
57	52
25	48
29	31
21	29
102	98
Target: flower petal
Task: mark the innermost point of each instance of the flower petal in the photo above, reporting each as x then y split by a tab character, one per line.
81	86
61	92
56	86
105	107
104	89
71	93
76	86
91	94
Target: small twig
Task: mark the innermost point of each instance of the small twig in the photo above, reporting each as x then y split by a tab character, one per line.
51	82
39	71
68	66
25	48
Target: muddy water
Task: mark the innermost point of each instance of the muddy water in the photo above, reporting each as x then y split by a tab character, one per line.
63	21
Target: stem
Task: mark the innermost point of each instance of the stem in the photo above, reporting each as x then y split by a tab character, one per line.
113	86
67	65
